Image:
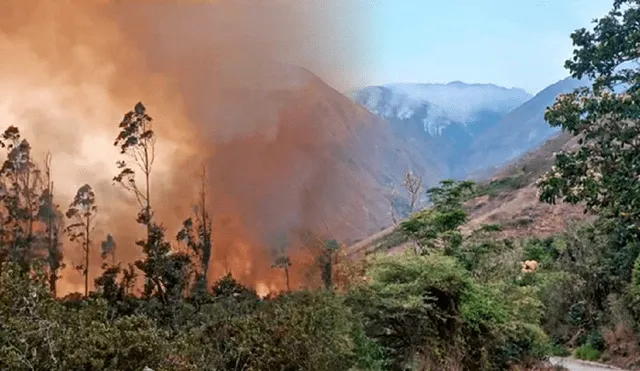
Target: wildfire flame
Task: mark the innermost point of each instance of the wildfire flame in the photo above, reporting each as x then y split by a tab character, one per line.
71	69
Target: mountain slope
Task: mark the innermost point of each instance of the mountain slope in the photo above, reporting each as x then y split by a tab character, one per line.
440	119
509	198
522	129
309	158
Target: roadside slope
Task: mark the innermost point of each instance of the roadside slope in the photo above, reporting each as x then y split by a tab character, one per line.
509	199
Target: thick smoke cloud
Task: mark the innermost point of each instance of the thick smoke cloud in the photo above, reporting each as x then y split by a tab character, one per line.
219	78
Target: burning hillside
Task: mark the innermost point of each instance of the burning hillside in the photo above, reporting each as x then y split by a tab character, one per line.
284	152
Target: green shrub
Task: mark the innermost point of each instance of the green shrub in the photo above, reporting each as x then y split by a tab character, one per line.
499	186
299	331
429	311
522	342
558	350
483	309
596	340
544	251
587	353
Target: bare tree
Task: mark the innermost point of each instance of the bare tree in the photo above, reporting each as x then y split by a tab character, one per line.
82	213
49	213
392	210
415	187
197	233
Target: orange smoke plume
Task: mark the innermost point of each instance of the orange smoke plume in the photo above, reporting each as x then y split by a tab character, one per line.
221	80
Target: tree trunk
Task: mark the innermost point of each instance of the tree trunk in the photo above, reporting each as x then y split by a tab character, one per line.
86	258
286	273
53	280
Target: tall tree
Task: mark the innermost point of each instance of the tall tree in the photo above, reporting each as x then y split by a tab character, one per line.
604	172
161	267
326	250
50	214
137	140
20	184
283	262
82	213
196	233
108	248
327	262
414	186
440	224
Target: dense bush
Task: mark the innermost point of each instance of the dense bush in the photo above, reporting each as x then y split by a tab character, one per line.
499	186
429	309
299	331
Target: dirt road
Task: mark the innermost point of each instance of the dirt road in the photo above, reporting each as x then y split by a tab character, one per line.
576	365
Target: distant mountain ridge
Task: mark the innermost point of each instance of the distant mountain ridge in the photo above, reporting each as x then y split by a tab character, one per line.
523	129
465	127
442	120
439	105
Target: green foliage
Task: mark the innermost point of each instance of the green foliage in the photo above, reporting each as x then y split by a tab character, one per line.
499	186
430	308
326	261
38	332
603	172
409	303
558	350
544	251
20	183
587	353
596	340
438	226
303	330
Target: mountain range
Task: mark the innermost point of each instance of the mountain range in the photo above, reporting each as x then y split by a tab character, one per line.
335	162
467	128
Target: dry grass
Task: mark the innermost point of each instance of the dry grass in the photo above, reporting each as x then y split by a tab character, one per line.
515	208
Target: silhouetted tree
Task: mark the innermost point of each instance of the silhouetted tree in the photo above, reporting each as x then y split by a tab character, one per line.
108	248
117	294
196	233
50	214
228	287
137	140
82	213
283	262
325	249
20	185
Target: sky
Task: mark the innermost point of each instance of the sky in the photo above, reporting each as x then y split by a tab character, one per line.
511	43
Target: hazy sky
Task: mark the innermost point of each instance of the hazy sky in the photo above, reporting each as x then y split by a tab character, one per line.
512	43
